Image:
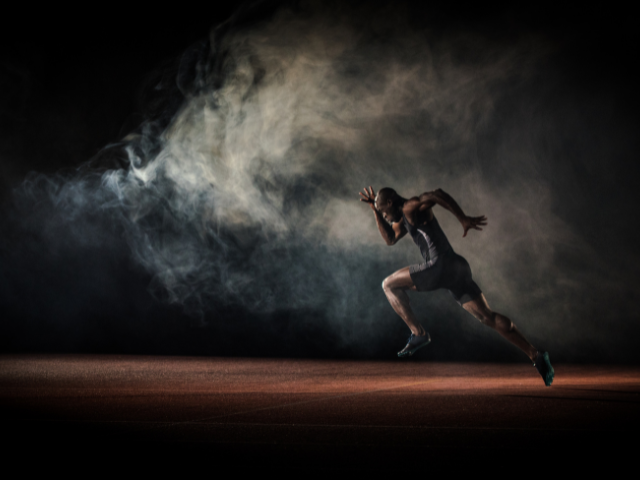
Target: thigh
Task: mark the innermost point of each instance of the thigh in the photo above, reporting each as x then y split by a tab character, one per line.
400	279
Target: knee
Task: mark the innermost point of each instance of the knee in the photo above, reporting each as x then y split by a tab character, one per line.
386	284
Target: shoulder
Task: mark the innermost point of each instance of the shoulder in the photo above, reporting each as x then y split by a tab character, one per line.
419	202
418	209
411	205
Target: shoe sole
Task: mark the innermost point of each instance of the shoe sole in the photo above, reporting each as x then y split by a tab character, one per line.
411	352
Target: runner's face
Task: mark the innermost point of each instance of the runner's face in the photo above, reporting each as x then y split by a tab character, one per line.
394	214
388	211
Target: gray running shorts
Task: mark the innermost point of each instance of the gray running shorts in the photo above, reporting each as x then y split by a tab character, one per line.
450	271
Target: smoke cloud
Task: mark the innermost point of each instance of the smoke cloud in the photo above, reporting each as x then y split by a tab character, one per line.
242	188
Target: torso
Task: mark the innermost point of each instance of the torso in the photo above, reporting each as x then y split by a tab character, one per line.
427	235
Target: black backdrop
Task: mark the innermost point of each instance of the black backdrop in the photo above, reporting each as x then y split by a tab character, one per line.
73	81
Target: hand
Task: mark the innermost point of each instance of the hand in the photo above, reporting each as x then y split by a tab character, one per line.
369	197
473	222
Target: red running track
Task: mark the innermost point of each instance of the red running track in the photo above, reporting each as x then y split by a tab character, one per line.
321	413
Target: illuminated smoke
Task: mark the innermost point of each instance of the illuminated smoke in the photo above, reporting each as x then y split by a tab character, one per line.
248	195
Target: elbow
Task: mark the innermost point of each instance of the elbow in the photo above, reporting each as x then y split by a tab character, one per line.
437	195
434	195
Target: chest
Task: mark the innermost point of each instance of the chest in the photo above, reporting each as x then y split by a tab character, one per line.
418	219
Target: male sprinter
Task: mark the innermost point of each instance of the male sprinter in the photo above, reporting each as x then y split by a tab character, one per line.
442	267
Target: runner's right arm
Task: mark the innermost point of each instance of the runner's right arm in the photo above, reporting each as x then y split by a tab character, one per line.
391	233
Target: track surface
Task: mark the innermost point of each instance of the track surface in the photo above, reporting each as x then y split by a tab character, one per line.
321	413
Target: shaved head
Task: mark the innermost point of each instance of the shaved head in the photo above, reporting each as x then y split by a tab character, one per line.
389	203
386	194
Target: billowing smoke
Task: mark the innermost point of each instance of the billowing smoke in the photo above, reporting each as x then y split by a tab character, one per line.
243	190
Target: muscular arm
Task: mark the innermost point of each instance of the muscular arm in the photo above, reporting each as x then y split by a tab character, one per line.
390	233
442	198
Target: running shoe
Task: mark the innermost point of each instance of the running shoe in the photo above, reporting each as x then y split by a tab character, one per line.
543	365
414	344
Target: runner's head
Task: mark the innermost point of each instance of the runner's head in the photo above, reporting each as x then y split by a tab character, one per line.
389	204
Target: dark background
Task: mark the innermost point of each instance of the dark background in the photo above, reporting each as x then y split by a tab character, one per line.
74	81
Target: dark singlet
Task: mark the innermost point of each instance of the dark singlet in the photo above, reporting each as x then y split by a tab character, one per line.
443	268
429	238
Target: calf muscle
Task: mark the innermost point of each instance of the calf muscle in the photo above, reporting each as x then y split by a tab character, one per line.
502	324
395	287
